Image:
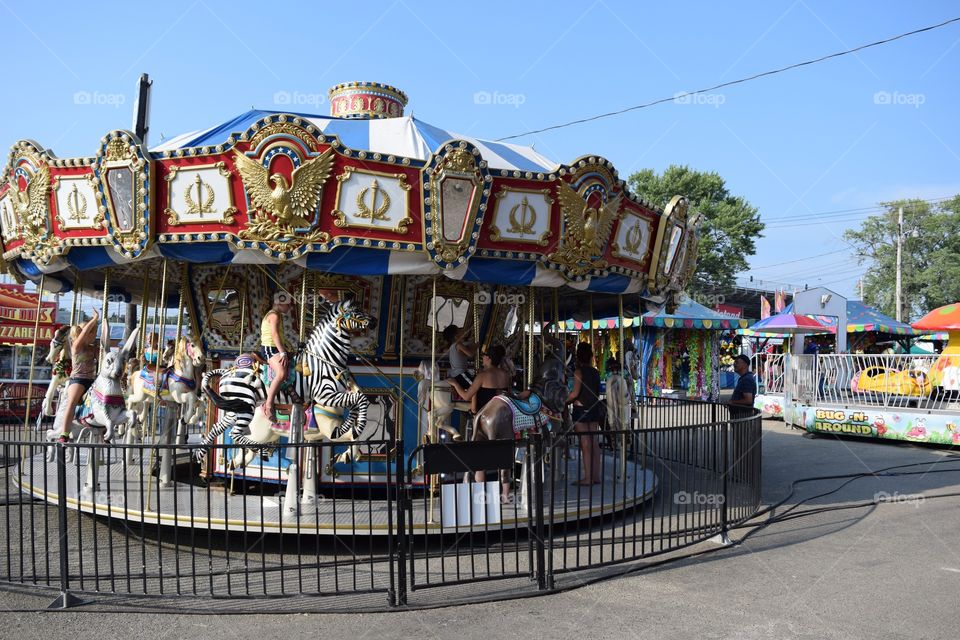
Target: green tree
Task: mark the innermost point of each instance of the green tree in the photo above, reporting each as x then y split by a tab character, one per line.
930	257
731	224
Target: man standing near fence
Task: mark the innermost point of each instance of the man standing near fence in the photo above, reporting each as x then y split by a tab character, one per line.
746	389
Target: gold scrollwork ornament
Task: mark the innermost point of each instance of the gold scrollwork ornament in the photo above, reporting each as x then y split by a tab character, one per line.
585	231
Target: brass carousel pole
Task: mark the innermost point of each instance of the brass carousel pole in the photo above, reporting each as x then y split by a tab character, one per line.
623	377
162	311
243	315
531	317
477	358
433	379
303	306
105	316
73	307
401	282
144	317
33	358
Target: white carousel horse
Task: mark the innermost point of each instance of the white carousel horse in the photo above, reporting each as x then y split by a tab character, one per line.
59	357
107	410
440	409
319	377
619	402
177	384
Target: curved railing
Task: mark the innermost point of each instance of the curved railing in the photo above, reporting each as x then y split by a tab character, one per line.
93	520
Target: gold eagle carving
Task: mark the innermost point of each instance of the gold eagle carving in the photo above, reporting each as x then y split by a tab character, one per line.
585	230
291	205
30	206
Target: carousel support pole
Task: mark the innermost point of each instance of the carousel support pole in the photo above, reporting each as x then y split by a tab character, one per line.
290	507
628	407
531	318
73	307
477	358
162	311
304	455
402	283
431	431
181	438
105	316
243	316
33	359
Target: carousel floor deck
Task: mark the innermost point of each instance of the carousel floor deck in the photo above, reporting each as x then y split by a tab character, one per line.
129	492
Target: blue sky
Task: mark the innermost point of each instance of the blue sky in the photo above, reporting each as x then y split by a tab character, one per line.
837	136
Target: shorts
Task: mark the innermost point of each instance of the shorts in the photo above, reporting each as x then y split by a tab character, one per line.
268	352
587	414
85	382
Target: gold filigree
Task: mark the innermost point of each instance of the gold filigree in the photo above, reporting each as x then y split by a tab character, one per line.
459	160
77	205
372	212
288	204
457	165
496	235
205	197
285	128
675	216
585	231
117	150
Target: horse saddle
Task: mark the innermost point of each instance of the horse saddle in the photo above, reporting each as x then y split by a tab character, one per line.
311	430
266	376
530	407
528	414
152	380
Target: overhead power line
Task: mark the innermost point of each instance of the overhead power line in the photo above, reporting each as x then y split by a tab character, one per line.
844	212
756	76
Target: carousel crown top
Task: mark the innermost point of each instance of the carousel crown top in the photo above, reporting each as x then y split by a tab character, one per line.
365	191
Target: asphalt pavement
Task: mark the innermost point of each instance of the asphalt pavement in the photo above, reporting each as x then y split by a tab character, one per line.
835	567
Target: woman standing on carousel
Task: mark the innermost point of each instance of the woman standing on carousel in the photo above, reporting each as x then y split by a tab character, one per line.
587	409
274	348
83	351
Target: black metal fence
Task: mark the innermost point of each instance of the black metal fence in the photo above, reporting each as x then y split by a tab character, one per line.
85	520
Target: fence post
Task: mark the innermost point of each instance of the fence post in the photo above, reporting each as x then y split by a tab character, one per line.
65	599
538	471
725	453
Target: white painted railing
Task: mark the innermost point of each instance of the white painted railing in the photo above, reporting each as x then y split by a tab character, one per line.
893	381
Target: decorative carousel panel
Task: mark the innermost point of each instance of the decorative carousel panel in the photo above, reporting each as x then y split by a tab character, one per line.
284	174
8	220
670	257
226	300
522	215
633	238
199	194
458	185
28	197
454	304
124	179
366	292
590	207
370	199
77	203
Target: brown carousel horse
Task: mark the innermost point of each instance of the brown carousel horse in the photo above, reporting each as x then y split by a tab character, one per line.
506	417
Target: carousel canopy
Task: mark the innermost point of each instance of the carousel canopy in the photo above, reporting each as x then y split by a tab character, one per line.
365	191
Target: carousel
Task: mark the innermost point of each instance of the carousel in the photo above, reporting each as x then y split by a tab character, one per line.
370	232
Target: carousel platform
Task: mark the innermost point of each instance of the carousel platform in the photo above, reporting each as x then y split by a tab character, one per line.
129	491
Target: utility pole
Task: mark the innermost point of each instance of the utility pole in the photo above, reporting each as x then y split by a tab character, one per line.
899	300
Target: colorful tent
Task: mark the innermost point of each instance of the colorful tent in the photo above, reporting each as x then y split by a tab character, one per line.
786	323
688	315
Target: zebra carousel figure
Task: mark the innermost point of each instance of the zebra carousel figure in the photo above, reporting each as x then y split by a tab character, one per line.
319	380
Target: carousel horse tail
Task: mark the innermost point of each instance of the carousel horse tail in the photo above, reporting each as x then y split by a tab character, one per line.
226	404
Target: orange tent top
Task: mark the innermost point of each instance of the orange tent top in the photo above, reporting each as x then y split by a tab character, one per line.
946	318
